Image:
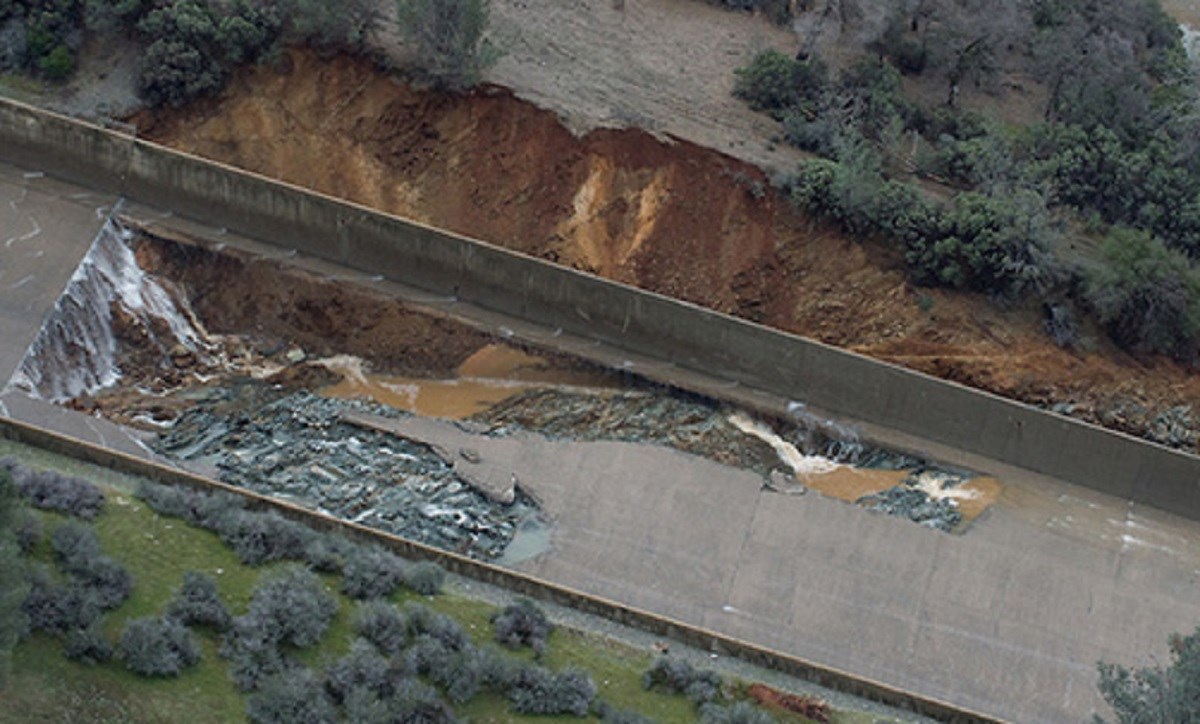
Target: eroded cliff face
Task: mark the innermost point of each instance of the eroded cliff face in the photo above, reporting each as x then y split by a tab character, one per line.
661	214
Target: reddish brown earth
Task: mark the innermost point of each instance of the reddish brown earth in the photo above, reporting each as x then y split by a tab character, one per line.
672	217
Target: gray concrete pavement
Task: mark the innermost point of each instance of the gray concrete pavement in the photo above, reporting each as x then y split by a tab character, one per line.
1008	619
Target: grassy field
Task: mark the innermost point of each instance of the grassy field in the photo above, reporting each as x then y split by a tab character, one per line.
158	550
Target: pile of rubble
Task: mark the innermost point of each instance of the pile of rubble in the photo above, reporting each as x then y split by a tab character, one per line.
927	497
297	446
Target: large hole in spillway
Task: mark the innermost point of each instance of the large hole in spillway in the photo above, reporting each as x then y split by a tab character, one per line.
287	382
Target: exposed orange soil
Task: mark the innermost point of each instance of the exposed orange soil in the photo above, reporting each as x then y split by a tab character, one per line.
672	217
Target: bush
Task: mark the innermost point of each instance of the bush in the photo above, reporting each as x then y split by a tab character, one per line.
522	624
258	538
88	645
247	30
779	11
537	691
332	25
158	647
326	553
48	490
416	701
740	713
199	604
447	37
362	668
75	546
1146	296
252	652
106	580
174	73
612	715
1156	694
769	83
371	572
286	698
55	608
678	677
58	64
422	620
203	510
383	625
293	607
28	531
425	578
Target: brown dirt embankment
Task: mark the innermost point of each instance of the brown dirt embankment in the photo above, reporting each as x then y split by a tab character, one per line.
671	217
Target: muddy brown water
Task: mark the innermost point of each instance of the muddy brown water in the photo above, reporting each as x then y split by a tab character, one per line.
848	483
491	375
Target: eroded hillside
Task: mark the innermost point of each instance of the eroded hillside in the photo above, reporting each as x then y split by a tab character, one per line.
672	217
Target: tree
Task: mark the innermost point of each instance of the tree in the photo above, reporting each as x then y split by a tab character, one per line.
13	584
1155	694
447	38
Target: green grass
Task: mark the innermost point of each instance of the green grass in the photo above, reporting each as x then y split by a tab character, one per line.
45	686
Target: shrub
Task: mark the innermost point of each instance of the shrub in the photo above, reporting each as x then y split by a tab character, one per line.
286	698
362	668
739	713
205	510
1156	694
425	578
55	608
769	82
383	625
158	647
75	546
174	72
247	30
371	572
48	490
422	620
58	64
447	37
679	677
293	607
106	580
337	25
252	652
537	691
258	538
1146	296
612	715
522	624
461	675
88	645
326	553
28	531
416	701
199	604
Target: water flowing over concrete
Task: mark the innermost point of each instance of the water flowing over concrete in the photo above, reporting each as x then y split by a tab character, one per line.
1191	43
76	350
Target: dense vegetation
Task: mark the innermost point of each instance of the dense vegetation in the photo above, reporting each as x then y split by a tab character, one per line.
1113	155
1157	694
192	46
291	644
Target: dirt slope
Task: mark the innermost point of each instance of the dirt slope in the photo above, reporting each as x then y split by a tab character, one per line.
672	217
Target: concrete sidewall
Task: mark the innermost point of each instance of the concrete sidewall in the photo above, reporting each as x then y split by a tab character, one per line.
645	323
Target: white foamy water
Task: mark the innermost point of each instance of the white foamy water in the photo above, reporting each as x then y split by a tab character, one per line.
1191	43
76	350
789	455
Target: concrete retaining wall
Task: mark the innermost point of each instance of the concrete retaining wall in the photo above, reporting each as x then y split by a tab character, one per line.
509	580
841	382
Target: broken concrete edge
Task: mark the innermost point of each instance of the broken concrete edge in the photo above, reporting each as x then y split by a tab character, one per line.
637	322
514	581
466	468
